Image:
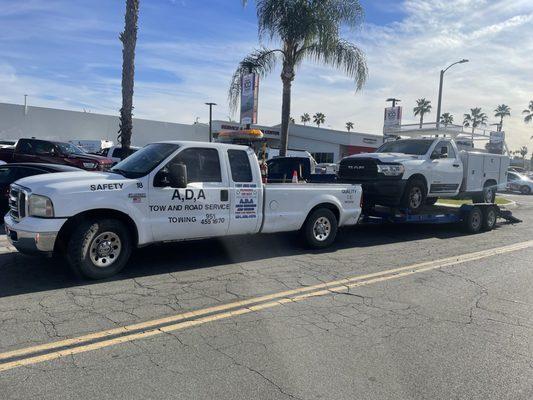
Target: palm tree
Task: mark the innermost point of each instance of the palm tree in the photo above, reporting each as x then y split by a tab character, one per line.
502	111
475	118
446	119
305	118
129	40
528	114
291	120
349	126
319	119
423	106
306	30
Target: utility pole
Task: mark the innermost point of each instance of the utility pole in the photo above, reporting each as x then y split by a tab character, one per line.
210	120
464	60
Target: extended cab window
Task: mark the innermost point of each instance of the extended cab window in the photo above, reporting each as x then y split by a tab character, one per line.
43	148
241	171
203	165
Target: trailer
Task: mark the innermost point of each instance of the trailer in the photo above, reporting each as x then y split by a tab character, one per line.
473	218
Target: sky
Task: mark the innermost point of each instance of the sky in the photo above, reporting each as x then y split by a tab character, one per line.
67	54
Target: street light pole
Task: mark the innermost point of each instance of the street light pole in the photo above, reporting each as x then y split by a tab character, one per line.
210	120
464	60
393	100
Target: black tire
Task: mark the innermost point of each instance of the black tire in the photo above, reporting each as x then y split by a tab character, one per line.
414	195
488	195
431	200
320	228
96	243
490	217
473	220
525	190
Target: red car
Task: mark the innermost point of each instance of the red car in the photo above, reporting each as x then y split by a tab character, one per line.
45	151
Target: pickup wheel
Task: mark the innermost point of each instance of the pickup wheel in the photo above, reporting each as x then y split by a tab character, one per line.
488	195
99	249
320	228
525	190
414	195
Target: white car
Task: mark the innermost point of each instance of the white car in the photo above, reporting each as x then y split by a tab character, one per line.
168	191
519	183
115	153
410	173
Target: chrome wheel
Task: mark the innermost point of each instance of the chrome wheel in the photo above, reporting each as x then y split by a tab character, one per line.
489	194
322	229
415	198
491	218
105	249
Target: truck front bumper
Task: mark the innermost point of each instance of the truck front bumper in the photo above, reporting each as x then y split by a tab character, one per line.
33	235
385	192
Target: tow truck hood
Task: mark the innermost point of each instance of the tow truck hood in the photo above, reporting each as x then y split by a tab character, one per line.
63	183
387	157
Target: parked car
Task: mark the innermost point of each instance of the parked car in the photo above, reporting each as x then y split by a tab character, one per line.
519	183
115	153
7	143
411	173
50	152
10	173
281	169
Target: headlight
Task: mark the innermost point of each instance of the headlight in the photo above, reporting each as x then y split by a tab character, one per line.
40	206
89	165
391	169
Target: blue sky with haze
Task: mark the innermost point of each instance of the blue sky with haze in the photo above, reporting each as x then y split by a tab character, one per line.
66	54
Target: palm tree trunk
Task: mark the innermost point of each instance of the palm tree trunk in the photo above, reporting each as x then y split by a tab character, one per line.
287	76
500	128
129	40
421	120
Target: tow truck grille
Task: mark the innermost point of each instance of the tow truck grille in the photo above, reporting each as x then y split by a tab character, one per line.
17	203
355	169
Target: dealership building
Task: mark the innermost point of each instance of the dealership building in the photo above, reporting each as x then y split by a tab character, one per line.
16	121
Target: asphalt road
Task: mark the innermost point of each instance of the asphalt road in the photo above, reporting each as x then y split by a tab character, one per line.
454	326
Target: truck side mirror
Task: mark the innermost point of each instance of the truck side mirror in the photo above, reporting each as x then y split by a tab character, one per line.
177	175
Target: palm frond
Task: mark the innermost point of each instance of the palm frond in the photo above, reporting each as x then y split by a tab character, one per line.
342	55
260	61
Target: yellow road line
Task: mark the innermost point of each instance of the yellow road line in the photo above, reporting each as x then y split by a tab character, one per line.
299	294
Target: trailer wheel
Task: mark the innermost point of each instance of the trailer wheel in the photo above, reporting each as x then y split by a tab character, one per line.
473	220
320	228
99	249
490	217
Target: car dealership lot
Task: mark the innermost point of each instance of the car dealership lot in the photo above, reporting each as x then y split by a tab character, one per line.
462	330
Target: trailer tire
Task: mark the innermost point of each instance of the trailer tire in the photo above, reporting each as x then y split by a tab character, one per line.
473	220
99	248
490	217
414	195
320	228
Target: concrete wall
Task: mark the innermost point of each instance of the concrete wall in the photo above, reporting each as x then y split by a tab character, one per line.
64	125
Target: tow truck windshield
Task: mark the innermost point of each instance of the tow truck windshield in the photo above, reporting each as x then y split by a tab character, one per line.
145	160
415	147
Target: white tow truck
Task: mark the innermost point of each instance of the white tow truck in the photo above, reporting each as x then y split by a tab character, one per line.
412	173
168	191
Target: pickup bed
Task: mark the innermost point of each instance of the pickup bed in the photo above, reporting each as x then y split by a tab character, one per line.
168	191
45	151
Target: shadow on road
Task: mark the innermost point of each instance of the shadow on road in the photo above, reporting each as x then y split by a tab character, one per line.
21	274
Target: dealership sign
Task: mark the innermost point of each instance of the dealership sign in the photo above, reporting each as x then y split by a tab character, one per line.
392	119
249	97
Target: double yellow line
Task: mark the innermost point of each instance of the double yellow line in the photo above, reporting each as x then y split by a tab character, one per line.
110	337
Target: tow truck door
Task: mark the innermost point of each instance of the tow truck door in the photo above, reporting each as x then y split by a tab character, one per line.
446	169
202	208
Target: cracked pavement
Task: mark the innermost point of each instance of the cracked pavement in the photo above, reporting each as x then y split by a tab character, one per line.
463	331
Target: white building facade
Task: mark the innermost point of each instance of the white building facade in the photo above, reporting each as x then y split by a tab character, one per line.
16	121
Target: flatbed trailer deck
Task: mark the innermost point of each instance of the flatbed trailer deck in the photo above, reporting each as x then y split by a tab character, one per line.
473	217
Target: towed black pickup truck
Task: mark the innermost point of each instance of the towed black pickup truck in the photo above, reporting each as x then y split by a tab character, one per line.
45	151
